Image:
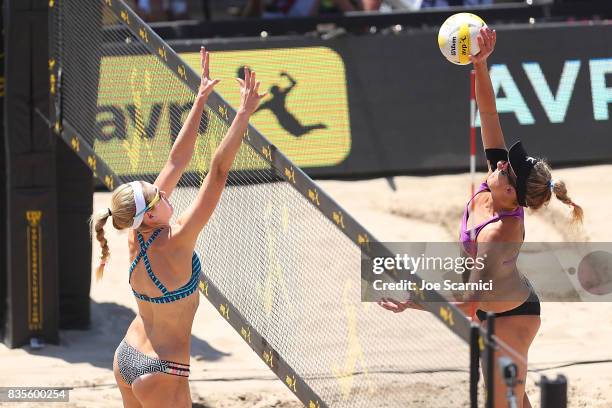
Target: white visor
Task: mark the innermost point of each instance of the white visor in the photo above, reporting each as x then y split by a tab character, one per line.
141	205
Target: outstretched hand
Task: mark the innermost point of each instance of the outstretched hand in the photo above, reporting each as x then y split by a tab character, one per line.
486	41
206	84
249	92
397	307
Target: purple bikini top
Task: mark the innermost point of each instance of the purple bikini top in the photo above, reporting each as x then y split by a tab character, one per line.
471	247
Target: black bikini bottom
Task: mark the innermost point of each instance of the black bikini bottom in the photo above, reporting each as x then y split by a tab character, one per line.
530	307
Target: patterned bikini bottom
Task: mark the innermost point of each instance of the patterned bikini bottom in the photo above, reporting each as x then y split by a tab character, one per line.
132	364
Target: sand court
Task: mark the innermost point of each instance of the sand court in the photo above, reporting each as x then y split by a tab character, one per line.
226	373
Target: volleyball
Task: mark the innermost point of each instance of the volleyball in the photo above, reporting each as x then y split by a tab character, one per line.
457	37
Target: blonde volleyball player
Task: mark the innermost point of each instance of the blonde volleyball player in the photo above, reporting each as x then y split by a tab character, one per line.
514	181
151	365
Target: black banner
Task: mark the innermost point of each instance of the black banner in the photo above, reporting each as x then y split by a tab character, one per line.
409	107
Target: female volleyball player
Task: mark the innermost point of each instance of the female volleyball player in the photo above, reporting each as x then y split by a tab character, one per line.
515	180
151	364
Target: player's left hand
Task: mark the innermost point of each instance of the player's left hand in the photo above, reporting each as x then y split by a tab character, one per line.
249	92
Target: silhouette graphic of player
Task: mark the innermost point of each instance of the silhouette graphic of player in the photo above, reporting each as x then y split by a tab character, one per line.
277	106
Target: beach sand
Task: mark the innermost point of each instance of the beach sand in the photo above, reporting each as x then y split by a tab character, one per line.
225	371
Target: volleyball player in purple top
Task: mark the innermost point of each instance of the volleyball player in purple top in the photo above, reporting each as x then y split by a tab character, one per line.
492	226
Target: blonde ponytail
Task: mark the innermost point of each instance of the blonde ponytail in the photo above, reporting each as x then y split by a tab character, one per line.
560	191
97	222
541	187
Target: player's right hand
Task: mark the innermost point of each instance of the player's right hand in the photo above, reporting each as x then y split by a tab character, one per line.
486	41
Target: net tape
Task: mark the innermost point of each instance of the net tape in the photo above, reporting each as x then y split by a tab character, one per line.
281	259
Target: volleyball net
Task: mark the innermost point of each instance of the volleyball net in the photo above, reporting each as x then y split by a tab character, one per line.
280	258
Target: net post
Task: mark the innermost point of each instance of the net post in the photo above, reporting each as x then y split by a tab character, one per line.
31	249
490	360
553	393
475	342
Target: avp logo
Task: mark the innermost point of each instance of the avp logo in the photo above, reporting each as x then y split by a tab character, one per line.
464	44
555	104
115	122
277	104
140	111
306	112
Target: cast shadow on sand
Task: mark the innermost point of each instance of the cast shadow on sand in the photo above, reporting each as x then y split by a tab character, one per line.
96	346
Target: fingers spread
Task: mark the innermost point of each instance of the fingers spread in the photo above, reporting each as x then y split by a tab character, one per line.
389	307
247	77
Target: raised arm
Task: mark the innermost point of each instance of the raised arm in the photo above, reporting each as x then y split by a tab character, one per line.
291	80
197	214
182	149
492	135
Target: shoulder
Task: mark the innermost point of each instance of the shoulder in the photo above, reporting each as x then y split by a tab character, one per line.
507	229
159	239
501	240
174	240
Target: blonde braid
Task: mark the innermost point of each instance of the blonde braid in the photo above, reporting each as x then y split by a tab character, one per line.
97	222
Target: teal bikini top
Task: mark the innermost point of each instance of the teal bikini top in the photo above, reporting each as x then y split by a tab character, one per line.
167	296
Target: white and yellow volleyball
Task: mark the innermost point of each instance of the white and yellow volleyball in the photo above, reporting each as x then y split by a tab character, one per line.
457	37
